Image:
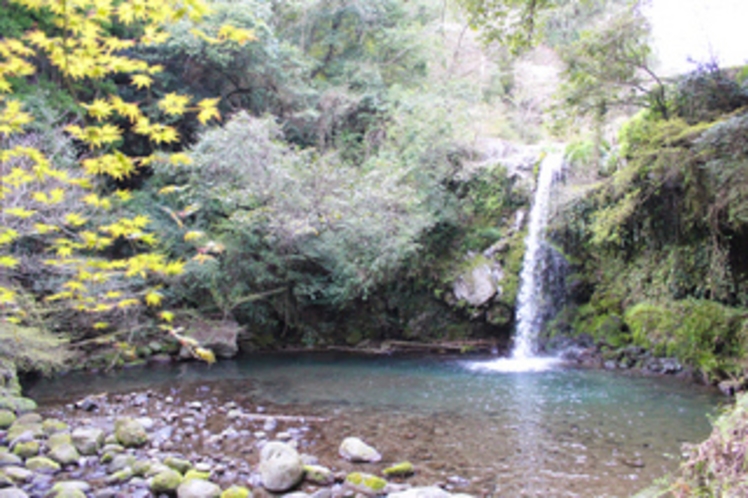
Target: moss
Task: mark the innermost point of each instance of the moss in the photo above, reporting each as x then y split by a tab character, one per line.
366	482
236	492
399	469
196	474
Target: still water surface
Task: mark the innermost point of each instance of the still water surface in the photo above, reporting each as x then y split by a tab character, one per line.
563	432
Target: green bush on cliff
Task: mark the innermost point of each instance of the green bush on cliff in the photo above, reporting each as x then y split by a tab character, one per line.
705	334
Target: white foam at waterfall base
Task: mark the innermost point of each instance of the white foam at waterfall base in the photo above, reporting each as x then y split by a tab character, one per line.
515	365
530	295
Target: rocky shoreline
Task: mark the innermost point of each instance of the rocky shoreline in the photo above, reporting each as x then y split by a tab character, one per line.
200	441
150	444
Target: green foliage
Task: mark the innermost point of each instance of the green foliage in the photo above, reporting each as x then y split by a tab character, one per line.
716	467
513	23
706	93
704	334
326	232
33	349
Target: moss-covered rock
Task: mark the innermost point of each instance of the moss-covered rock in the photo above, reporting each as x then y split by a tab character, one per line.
130	433
167	481
64	453
26	449
236	492
319	475
7	418
122	475
18	428
179	464
53	425
43	465
365	483
18	474
399	470
196	474
70	489
88	440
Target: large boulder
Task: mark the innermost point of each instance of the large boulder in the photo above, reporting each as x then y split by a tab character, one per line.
354	449
480	281
281	467
218	336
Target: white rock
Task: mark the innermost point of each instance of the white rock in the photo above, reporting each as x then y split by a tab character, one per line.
354	449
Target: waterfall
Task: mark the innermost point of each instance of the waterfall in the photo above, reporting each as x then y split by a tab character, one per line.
531	291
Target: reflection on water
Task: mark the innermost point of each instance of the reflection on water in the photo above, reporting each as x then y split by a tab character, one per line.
559	432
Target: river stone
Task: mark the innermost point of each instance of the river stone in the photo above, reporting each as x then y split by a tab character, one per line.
53	425
121	475
17	429
399	469
7	459
42	465
5	480
196	474
70	486
64	454
18	474
236	492
13	493
198	488
23	405
130	433
367	484
354	449
280	467
26	449
7	418
88	440
30	418
179	464
319	475
423	492
59	438
121	461
167	481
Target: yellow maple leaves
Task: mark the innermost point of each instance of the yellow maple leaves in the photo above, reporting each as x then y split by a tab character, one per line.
59	210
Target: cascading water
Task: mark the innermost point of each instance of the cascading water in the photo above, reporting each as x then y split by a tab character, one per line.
531	292
532	305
